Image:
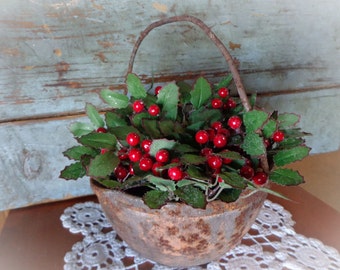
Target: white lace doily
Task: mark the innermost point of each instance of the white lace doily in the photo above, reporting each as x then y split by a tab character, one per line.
271	243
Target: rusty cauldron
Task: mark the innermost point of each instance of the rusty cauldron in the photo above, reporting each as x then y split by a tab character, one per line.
179	235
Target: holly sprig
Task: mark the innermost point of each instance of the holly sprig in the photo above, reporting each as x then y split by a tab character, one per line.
256	149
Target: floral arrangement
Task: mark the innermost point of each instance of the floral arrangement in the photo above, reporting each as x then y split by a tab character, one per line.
191	144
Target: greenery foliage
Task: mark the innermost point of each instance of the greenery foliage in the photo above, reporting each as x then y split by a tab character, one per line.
184	110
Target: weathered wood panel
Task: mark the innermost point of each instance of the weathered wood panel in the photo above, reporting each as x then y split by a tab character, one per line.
31	159
56	55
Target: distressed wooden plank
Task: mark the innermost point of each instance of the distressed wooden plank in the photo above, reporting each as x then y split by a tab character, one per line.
55	55
32	161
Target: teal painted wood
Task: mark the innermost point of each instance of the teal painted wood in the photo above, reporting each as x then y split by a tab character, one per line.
57	55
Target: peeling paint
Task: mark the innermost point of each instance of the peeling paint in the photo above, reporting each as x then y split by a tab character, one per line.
11	51
101	57
61	68
68	84
105	44
234	46
58	52
160	7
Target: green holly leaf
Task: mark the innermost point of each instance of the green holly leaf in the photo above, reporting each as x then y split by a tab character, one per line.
286	177
76	152
230	154
135	86
269	128
73	171
103	165
184	90
201	93
138	118
233	179
230	194
161	183
114	99
168	98
151	127
99	140
225	81
253	145
114	120
193	159
79	129
287	120
167	127
159	144
149	100
295	132
123	131
192	196
291	142
254	119
94	116
108	183
288	156
203	115
155	199
195	173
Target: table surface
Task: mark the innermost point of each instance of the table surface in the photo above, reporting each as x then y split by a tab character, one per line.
33	237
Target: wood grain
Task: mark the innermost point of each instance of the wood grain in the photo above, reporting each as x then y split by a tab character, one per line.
57	55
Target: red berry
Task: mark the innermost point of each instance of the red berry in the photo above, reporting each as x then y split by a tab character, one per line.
234	122
217	125
226	160
162	156
135	154
206	151
146	144
145	164
103	151
260	178
155	168
131	170
223	92
138	106
230	104
266	143
216	103
175	173
101	130
122	154
278	136
202	136
220	140
247	172
220	180
175	160
157	89
154	110
132	139
214	162
224	131
121	172
211	133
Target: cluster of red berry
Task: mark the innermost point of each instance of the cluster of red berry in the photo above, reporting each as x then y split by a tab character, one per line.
218	135
211	139
138	153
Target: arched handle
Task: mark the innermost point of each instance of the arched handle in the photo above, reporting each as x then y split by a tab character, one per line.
212	36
